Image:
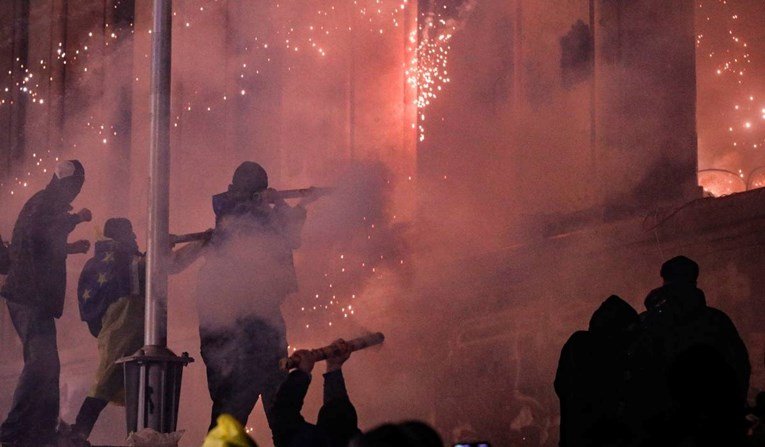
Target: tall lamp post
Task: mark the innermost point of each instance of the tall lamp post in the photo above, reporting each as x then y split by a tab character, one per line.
153	374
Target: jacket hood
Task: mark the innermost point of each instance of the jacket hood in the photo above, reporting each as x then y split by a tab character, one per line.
67	181
613	316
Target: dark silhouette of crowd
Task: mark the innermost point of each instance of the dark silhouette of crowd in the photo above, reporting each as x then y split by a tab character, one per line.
675	375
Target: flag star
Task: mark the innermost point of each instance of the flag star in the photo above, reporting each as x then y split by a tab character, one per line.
102	279
86	294
109	257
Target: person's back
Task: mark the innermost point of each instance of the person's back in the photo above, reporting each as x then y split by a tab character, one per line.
111	295
690	367
591	374
707	368
37	275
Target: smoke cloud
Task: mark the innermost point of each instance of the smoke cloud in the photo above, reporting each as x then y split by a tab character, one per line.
469	250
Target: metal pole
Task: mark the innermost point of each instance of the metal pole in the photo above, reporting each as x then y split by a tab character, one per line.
159	189
153	374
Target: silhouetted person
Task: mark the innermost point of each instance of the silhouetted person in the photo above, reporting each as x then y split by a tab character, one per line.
247	275
404	434
111	294
34	290
337	422
690	367
591	376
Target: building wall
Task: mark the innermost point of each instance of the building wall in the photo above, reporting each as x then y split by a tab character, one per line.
646	102
560	107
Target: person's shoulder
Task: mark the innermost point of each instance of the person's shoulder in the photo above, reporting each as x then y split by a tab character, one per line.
39	198
715	323
715	315
709	310
578	338
34	207
43	203
91	266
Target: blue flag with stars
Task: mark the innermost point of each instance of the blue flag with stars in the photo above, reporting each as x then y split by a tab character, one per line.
112	273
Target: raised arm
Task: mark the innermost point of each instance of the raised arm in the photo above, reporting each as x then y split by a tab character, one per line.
337	417
285	414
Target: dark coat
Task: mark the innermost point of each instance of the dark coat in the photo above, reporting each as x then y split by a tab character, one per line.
37	275
591	377
690	370
337	422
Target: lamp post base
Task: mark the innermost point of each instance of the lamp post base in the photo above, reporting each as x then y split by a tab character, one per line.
153	388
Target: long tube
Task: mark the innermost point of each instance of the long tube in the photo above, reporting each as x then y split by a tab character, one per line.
159	188
325	352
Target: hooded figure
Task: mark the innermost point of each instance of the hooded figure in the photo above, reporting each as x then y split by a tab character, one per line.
591	377
111	294
116	270
34	290
248	273
38	248
690	367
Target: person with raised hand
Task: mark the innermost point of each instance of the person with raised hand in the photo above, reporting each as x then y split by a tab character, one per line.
34	292
337	422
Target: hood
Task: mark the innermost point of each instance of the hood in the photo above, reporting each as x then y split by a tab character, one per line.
613	316
67	181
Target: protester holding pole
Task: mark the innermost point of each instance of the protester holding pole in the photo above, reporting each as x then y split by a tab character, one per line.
111	295
337	422
247	275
